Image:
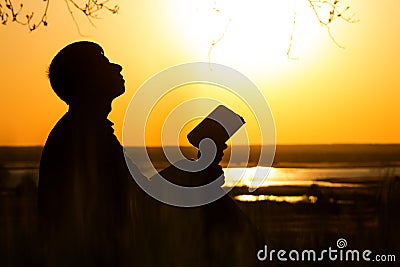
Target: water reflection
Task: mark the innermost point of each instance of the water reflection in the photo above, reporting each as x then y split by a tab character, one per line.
331	177
288	199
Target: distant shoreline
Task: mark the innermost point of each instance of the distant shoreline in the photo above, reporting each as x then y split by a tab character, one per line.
286	156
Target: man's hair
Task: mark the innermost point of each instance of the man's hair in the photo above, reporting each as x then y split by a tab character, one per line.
71	66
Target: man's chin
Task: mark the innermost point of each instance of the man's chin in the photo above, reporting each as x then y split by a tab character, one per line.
121	92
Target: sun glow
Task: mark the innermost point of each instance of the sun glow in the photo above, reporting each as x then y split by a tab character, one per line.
254	35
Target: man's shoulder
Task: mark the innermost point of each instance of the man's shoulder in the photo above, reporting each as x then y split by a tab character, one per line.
62	130
75	128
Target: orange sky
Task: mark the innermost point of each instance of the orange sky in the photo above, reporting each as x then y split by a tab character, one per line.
327	95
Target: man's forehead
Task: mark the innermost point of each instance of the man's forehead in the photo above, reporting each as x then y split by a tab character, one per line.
99	57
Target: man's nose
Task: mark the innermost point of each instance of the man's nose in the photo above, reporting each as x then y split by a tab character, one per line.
117	66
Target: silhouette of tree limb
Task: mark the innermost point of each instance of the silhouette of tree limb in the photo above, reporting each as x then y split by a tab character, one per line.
289	50
326	13
216	41
335	12
89	8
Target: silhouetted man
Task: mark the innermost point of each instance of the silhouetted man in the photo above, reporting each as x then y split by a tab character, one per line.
87	198
93	213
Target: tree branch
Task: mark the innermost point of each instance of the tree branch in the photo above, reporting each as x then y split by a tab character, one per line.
289	50
89	8
335	13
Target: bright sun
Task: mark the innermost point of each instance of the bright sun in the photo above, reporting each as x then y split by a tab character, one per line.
251	34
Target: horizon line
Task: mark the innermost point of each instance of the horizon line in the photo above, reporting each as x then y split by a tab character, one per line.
252	145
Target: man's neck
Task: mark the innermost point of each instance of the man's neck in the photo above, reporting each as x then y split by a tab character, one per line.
92	111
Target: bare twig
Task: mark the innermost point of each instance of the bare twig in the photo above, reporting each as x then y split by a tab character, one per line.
289	50
322	8
216	41
90	9
335	13
73	17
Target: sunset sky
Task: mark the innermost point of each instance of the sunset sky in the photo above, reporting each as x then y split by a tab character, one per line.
323	94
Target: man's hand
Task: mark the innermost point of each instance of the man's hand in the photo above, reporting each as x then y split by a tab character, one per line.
212	172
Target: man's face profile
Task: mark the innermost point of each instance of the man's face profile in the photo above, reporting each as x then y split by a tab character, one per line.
107	78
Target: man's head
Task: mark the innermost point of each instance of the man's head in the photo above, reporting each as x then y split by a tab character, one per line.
80	73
